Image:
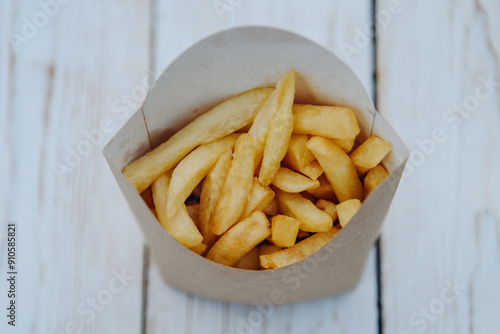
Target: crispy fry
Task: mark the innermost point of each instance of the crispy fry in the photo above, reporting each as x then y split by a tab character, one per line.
237	186
328	207
210	193
268	249
292	182
249	261
346	210
279	134
324	191
374	178
312	170
338	167
272	208
330	122
193	168
222	120
312	219
181	226
303	234
298	251
345	144
370	154
284	230
264	118
240	239
297	153
258	199
194	212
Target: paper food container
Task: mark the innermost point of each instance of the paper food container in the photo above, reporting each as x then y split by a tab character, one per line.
221	66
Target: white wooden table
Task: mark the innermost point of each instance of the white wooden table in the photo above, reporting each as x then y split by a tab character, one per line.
62	73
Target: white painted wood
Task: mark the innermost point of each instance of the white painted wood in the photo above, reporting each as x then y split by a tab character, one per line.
179	25
75	231
444	224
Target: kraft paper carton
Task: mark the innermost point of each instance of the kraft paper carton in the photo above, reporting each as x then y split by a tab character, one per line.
218	67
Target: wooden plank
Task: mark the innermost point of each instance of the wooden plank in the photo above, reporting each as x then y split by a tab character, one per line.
444	226
177	26
76	235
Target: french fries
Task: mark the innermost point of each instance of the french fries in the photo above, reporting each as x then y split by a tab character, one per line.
330	122
370	154
233	199
299	251
266	114
258	199
287	180
181	226
279	134
193	168
346	210
260	154
374	178
338	167
284	230
312	219
240	239
209	196
222	120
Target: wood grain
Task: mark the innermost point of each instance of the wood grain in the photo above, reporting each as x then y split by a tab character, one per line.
444	223
176	27
73	231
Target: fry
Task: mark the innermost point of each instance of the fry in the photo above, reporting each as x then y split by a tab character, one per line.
297	153
181	226
264	118
193	168
199	249
240	239
216	123
210	192
194	212
330	122
338	167
249	261
258	199
328	207
374	178
370	154
292	182
303	234
312	219
279	134
312	170
346	210
272	208
324	191
236	188
284	230
299	251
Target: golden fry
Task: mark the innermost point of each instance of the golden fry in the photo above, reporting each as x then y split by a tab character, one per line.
237	186
324	191
222	120
181	226
338	167
199	249
240	239
312	219
299	251
210	193
326	121
279	134
249	261
346	210
284	230
374	178
272	208
193	168
297	153
328	207
370	154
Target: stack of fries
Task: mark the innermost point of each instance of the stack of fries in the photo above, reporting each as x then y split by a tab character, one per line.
272	181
